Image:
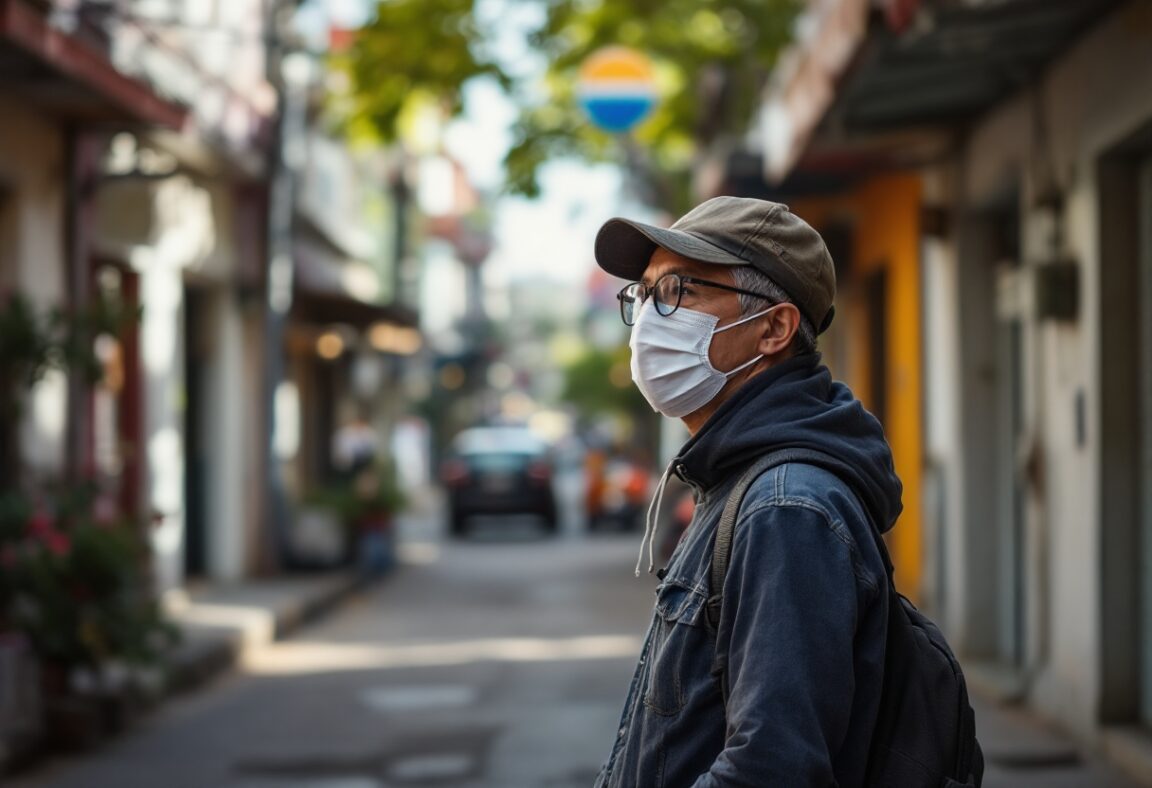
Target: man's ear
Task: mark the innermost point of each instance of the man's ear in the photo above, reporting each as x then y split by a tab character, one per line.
781	327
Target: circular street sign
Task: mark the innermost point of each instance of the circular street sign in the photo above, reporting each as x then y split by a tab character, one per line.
616	88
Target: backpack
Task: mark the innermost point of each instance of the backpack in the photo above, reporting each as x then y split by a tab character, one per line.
925	732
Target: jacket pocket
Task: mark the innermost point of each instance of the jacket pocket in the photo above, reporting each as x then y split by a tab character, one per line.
675	645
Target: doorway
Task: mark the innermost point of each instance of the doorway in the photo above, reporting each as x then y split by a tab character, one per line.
197	359
1125	423
993	407
1011	514
1144	414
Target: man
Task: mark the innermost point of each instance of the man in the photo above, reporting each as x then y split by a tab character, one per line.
725	307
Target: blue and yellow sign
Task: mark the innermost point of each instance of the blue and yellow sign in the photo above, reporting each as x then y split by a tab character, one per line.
616	88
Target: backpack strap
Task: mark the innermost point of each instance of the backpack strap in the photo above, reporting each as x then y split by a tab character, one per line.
725	532
722	546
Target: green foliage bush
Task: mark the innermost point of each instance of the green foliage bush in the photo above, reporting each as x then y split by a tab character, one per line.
77	585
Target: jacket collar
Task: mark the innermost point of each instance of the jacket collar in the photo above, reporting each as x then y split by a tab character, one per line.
749	409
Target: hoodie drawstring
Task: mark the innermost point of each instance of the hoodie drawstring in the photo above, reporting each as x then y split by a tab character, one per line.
652	521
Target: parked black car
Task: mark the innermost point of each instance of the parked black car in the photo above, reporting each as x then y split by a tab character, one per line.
498	470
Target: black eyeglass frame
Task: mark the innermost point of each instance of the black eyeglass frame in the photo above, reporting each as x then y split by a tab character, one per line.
647	291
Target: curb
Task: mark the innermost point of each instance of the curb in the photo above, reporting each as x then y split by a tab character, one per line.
208	650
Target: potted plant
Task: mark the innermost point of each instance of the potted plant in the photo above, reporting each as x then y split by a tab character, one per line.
75	584
373	518
350	520
77	587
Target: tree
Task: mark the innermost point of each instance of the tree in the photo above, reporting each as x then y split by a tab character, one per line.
712	59
413	52
599	382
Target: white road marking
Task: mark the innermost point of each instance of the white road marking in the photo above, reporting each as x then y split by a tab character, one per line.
444	696
420	768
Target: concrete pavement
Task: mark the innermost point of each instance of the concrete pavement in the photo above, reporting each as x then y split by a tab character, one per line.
1021	751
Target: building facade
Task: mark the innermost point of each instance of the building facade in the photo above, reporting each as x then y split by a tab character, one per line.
993	163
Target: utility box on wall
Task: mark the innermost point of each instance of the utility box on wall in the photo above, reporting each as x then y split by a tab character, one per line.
1057	291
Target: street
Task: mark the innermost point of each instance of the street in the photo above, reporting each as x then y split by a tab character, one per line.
498	660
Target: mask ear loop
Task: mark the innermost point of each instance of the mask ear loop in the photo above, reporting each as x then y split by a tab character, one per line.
651	522
744	320
750	318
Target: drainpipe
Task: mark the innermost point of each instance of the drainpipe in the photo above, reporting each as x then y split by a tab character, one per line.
82	155
1049	197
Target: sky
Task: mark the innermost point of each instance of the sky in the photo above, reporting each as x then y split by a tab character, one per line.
549	236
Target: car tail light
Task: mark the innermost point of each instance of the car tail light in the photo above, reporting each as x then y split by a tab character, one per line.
454	472
539	471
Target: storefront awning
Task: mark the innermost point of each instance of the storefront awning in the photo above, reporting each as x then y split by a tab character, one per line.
68	77
924	66
332	288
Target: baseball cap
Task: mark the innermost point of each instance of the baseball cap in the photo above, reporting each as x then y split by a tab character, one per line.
733	231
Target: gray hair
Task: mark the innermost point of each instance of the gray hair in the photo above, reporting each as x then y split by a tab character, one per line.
748	278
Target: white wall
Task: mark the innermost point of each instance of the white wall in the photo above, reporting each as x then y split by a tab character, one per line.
164	230
227	411
212	60
942	589
162	348
32	193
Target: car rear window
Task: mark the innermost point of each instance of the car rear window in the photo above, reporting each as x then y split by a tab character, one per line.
498	462
498	440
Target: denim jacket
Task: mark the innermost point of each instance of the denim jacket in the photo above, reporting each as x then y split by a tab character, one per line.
803	621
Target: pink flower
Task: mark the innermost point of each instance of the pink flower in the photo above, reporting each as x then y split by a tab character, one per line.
40	524
58	544
104	511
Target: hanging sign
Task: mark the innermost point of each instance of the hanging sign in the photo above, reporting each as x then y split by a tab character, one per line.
617	88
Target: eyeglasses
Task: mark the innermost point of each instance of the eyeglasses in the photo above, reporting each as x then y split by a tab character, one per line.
668	292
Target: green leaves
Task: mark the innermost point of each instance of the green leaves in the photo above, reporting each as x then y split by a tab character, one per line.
415	50
33	340
712	60
599	382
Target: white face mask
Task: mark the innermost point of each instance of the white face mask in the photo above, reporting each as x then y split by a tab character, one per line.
670	363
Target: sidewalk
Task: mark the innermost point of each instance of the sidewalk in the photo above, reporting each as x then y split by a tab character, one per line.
1020	751
220	626
221	623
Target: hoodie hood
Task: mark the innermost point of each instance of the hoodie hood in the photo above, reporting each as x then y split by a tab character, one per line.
797	405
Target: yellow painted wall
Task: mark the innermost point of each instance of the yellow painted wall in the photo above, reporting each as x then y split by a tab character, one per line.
884	214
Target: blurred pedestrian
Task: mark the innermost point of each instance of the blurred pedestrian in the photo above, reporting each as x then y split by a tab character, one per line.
636	483
354	446
595	483
725	310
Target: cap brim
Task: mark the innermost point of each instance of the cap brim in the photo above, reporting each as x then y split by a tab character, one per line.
623	247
